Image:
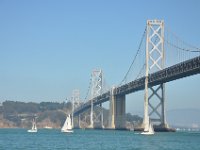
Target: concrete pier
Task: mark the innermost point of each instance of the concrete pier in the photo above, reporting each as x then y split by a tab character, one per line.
120	113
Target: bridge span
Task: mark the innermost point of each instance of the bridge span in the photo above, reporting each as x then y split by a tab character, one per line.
178	71
154	81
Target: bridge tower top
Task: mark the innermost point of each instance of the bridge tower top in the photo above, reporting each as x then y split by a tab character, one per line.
96	88
76	96
154	46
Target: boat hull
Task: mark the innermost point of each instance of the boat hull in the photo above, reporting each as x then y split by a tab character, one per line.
32	131
67	131
147	133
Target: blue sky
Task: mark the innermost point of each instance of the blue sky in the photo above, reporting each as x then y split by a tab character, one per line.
48	47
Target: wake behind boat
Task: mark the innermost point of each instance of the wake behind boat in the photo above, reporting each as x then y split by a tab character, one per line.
34	127
67	127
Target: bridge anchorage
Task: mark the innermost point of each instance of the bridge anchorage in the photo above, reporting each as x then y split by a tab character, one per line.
152	82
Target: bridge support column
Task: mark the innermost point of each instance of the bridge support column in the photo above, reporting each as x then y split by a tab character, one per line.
91	116
120	112
79	120
111	121
117	113
102	125
163	113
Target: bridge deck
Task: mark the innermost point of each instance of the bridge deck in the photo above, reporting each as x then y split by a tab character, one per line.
178	71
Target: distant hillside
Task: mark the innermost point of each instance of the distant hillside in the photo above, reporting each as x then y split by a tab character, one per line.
20	114
184	117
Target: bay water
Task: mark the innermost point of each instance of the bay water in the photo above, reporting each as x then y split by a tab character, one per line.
20	139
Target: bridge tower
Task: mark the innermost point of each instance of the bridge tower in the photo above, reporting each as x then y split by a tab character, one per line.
96	90
75	103
154	97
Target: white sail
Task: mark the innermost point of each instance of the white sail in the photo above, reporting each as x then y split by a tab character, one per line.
151	130
146	127
34	127
69	123
67	127
148	130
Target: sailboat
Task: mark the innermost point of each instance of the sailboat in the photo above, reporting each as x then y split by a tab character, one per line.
67	127
34	127
148	130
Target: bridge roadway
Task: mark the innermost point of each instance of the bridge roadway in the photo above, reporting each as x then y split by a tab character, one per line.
178	71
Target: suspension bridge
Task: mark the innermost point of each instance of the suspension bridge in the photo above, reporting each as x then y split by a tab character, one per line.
160	58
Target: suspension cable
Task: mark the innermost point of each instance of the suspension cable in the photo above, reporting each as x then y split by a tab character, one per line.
139	48
140	71
183	49
88	90
185	43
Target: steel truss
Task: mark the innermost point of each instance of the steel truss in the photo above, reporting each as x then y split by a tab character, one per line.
96	90
155	58
75	102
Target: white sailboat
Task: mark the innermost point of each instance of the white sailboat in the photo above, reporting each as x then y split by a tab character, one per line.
48	127
67	127
34	127
148	130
